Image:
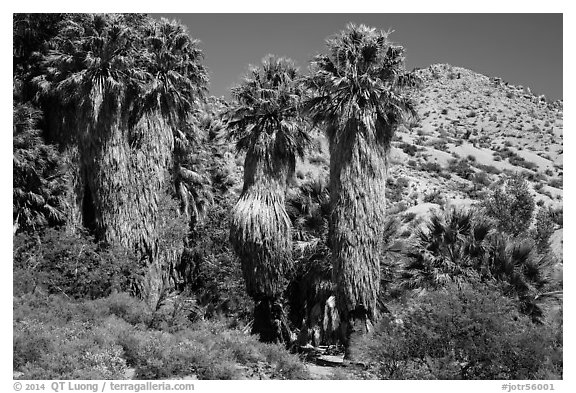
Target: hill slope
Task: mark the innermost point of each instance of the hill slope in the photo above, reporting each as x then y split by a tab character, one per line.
472	130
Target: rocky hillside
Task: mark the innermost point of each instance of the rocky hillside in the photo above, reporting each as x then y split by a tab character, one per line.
472	130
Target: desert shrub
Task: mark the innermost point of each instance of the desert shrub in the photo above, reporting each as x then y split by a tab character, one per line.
56	338
209	351
438	144
481	179
408	148
432	167
556	183
395	189
422	138
520	161
489	169
462	333
512	206
412	163
434	197
444	111
461	168
545	227
445	175
72	264
557	215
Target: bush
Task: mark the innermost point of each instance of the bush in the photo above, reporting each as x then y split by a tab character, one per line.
462	333
511	206
395	189
544	229
434	197
461	168
463	246
408	148
433	167
55	338
556	183
72	264
481	179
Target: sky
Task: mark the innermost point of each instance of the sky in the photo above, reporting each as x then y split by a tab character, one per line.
522	49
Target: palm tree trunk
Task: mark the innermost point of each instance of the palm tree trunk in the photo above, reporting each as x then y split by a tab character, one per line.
260	234
357	187
125	175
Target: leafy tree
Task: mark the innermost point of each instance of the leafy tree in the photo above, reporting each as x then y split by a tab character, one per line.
73	265
512	206
360	99
264	121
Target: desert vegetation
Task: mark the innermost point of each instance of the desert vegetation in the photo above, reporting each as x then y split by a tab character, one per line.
377	222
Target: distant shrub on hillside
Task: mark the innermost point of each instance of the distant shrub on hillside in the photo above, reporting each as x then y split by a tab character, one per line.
395	189
408	148
432	167
461	168
556	183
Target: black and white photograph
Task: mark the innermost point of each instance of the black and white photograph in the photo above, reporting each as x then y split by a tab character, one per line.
286	196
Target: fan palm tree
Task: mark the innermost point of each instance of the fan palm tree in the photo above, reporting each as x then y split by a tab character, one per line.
133	83
360	99
451	248
463	247
264	120
38	182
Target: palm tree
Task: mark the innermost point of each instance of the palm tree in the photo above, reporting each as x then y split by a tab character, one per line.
360	100
133	83
264	120
462	247
39	180
451	248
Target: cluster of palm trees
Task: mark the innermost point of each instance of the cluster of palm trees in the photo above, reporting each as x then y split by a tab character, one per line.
356	92
120	95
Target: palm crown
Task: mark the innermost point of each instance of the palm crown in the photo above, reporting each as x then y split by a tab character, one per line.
265	119
176	77
360	84
93	62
